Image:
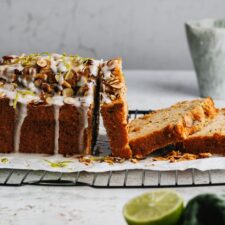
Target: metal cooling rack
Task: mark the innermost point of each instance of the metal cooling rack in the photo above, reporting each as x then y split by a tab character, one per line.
114	179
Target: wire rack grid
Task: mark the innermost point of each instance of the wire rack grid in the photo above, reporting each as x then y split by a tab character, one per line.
115	179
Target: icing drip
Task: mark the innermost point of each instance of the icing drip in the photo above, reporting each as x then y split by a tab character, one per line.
82	119
56	138
94	67
21	113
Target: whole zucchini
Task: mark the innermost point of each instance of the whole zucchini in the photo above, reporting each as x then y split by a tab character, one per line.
205	209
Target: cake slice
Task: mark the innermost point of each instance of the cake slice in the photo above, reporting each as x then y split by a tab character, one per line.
211	138
48	104
114	108
170	125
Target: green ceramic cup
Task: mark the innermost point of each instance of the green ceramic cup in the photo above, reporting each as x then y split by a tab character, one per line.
206	39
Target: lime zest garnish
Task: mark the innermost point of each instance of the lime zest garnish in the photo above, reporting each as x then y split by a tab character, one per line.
28	60
23	93
15	100
47	53
59	164
4	160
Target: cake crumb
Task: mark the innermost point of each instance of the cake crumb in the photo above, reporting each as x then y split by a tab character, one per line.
177	156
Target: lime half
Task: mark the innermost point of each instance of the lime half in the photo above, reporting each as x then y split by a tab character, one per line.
154	208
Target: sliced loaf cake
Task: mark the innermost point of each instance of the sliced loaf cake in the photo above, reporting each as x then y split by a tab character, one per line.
48	104
114	108
166	126
209	139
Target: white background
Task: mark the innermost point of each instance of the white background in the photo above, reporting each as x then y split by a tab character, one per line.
148	34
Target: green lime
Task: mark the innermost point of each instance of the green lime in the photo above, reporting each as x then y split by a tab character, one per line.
162	207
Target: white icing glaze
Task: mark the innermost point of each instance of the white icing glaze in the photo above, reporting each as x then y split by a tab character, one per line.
82	82
78	68
61	67
105	98
57	65
21	113
95	67
56	136
82	121
7	71
73	101
25	99
106	72
32	87
54	66
57	100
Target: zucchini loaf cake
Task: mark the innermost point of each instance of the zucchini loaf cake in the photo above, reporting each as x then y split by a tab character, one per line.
114	108
171	125
209	139
48	104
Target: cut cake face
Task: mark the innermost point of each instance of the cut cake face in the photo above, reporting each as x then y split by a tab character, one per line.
167	126
211	138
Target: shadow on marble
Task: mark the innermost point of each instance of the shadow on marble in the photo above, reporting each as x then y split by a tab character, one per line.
175	88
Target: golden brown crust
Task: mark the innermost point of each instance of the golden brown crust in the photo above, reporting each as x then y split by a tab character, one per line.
192	121
37	132
72	138
214	144
7	116
115	111
114	119
209	139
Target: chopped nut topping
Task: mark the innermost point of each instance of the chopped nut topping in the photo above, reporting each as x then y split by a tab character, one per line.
49	100
204	155
177	156
134	160
111	63
66	84
46	87
69	75
49	75
41	76
112	97
1	83
2	94
68	92
38	82
107	159
42	63
117	86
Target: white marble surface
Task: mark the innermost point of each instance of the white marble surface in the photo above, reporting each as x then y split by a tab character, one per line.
36	205
148	34
155	89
